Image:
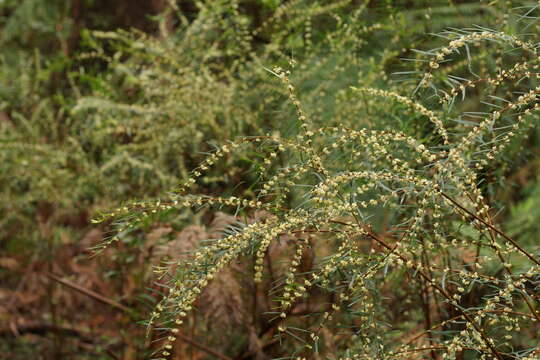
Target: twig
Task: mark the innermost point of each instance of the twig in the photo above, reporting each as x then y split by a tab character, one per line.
119	306
444	293
491	227
202	347
90	293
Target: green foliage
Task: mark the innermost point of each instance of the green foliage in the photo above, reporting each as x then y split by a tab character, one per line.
526	215
301	150
32	24
387	192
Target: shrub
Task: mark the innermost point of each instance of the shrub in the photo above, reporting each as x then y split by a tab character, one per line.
335	200
383	214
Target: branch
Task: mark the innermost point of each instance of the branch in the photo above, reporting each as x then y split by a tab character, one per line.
491	227
89	293
127	310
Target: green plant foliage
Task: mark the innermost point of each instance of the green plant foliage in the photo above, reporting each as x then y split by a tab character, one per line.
381	196
31	23
316	179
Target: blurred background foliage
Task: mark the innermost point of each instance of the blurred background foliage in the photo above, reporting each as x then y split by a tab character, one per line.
104	102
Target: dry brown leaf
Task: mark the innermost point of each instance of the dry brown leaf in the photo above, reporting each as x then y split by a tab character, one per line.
222	301
9	263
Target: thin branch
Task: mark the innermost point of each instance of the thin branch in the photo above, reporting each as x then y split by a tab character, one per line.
445	294
125	309
491	227
89	293
202	347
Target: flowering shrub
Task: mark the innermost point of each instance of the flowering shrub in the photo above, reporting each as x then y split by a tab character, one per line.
394	246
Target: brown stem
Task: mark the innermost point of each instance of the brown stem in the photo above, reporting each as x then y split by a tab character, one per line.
424	297
507	269
125	309
89	293
202	347
444	293
491	227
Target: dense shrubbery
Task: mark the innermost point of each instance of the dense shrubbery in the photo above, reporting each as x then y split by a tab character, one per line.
328	197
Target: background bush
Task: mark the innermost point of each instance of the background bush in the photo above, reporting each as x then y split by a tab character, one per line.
94	117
